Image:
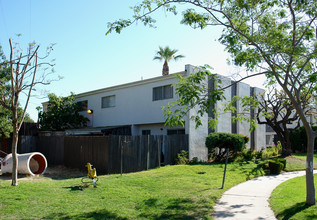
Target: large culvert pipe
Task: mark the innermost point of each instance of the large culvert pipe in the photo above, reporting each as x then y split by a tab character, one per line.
31	163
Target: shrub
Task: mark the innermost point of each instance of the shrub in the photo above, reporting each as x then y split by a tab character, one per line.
194	161
259	154
274	151
279	148
248	154
282	161
237	158
271	152
275	167
182	158
234	142
246	138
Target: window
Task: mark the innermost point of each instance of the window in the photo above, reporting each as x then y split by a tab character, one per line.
108	101
82	105
162	92
175	131
146	132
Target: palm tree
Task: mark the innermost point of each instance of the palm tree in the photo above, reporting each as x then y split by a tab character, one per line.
167	55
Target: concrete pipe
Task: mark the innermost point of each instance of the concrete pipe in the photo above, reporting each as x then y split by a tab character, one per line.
31	163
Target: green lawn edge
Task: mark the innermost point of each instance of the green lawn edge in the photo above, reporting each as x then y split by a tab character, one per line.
170	192
288	199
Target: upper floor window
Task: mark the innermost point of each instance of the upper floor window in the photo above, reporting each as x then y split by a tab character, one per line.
83	105
146	132
175	131
108	101
162	92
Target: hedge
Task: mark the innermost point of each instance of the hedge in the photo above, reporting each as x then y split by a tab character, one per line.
234	142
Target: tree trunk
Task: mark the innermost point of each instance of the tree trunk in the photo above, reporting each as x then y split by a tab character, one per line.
165	71
311	135
310	186
287	149
14	157
15	137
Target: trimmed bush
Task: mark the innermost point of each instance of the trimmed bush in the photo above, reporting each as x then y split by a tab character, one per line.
277	165
282	161
234	142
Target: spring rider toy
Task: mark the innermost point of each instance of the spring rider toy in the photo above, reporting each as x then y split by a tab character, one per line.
92	175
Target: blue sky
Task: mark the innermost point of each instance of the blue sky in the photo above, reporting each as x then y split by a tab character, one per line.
89	60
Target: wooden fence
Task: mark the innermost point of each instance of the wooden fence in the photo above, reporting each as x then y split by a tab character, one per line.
112	154
52	147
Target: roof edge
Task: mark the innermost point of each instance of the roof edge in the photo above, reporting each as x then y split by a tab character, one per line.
131	84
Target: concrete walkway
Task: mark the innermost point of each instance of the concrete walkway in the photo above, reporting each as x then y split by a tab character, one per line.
249	200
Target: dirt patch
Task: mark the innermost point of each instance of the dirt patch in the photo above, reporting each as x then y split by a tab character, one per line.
52	172
295	159
57	172
8	176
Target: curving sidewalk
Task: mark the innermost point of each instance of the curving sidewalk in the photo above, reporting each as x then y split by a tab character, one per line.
249	200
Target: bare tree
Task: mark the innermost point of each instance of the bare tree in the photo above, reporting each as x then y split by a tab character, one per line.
23	71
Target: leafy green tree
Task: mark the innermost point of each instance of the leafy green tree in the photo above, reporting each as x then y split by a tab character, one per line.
23	69
273	37
276	110
5	117
6	120
166	55
5	114
62	113
193	91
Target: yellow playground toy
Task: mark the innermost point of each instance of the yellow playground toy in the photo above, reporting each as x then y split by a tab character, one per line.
92	174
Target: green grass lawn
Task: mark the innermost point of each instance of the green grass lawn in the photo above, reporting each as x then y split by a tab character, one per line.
288	200
298	162
303	156
171	192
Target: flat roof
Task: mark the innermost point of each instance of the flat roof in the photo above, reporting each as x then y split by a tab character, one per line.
131	84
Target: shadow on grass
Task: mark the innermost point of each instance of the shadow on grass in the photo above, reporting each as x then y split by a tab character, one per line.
80	187
151	209
250	173
298	207
174	209
257	171
241	166
99	214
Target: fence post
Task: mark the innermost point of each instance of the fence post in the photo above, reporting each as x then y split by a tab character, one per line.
159	150
148	153
224	172
121	154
